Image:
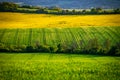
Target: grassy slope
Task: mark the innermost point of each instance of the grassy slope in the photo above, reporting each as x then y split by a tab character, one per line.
54	36
21	20
58	67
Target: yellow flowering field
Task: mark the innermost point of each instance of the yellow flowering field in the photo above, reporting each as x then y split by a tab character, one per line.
23	20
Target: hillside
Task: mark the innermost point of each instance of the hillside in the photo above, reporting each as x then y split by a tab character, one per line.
73	4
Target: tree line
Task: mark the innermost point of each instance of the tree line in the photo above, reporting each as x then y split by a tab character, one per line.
12	7
92	47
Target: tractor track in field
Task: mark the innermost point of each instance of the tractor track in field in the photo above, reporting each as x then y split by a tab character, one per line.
57	36
30	37
113	32
101	35
2	35
44	36
52	37
90	33
66	38
111	36
82	42
16	36
73	38
94	31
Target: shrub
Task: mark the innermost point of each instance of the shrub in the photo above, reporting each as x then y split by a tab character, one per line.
91	48
3	48
51	49
30	49
59	48
42	48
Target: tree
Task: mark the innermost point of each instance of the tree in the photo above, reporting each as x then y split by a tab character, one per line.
51	49
41	10
93	10
99	10
8	6
115	50
26	6
73	11
59	48
93	46
96	10
3	48
55	8
116	10
64	11
84	11
67	11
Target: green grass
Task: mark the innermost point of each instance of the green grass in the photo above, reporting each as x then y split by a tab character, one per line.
27	9
54	36
47	66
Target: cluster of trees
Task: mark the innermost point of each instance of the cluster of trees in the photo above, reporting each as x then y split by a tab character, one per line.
30	7
92	47
8	6
90	11
59	11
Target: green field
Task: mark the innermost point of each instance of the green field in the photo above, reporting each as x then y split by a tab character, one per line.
96	34
55	36
45	66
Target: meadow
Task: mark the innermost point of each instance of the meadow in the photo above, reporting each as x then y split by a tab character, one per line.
46	66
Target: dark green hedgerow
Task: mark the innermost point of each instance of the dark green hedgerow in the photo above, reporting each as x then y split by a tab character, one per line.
91	48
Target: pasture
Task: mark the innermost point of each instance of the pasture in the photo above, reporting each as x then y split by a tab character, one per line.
47	66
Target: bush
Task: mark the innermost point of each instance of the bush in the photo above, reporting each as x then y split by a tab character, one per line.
114	50
42	48
51	49
30	49
3	48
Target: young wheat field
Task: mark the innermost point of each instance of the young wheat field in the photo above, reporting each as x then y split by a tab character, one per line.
55	36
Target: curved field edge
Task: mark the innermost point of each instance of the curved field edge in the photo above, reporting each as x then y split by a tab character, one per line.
22	20
55	36
47	66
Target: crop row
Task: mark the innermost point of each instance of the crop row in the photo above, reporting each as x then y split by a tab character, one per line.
54	36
